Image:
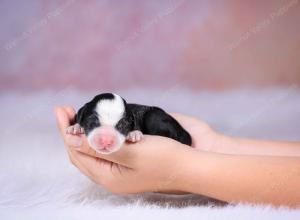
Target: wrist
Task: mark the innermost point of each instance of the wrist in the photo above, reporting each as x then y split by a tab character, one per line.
200	172
188	170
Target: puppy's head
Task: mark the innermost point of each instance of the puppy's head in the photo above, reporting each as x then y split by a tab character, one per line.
106	122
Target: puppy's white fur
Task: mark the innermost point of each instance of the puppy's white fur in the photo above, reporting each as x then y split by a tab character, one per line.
110	111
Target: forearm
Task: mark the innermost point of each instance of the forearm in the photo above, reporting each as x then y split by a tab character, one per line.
242	146
249	179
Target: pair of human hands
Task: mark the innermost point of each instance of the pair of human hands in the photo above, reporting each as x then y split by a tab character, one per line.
155	164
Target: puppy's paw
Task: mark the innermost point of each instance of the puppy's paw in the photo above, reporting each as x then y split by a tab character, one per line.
134	136
75	129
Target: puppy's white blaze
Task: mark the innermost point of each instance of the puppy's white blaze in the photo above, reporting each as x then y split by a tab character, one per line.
110	111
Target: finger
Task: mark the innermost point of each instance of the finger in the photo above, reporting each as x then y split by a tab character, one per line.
75	162
62	119
71	112
64	115
191	124
80	143
183	119
122	156
86	164
74	141
95	168
188	120
63	123
80	166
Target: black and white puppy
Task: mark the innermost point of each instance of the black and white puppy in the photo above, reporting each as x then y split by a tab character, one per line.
108	121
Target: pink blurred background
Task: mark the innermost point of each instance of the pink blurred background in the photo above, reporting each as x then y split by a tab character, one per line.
111	45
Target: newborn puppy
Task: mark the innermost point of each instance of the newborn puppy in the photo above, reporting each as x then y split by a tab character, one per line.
108	121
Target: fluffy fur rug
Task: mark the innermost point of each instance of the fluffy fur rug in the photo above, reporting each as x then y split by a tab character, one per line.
37	180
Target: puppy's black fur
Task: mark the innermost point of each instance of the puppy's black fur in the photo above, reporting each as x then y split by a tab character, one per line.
147	119
155	121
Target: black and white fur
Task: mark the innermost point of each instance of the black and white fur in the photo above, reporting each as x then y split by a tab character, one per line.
129	121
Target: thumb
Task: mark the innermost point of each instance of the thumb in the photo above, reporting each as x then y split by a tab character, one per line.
62	119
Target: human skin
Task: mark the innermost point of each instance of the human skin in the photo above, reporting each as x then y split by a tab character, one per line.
225	168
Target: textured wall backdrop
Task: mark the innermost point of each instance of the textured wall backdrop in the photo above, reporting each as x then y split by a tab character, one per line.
120	44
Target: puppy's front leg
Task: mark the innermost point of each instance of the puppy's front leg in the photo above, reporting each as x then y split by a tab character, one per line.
134	136
75	129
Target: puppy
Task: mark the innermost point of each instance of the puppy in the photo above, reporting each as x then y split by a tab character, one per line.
108	121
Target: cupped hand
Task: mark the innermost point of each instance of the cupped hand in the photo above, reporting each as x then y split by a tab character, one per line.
155	164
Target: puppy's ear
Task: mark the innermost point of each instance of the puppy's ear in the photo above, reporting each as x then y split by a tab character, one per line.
80	114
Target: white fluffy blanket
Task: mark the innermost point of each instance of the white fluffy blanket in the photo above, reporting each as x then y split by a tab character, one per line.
38	182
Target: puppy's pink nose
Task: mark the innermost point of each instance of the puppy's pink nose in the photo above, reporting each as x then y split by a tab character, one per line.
105	141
